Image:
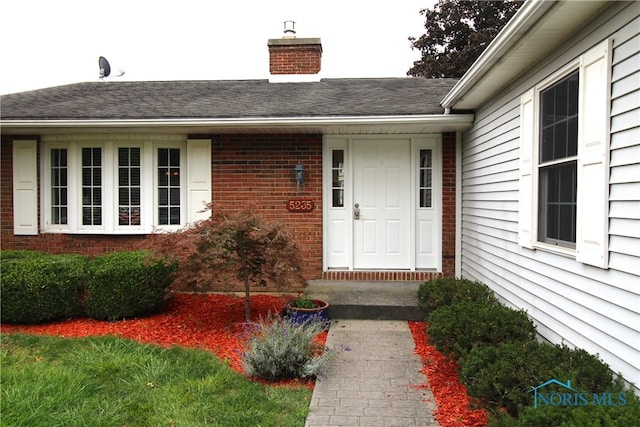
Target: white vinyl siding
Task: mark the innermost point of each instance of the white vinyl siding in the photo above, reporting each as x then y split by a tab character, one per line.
624	181
571	302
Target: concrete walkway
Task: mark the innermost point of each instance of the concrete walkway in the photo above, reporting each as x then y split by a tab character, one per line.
374	378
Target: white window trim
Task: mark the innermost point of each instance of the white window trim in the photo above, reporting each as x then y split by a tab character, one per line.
47	225
78	172
593	159
195	181
183	187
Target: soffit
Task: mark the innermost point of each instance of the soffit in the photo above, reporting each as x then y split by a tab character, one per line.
546	27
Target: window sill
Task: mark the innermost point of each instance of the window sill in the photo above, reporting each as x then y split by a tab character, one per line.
556	249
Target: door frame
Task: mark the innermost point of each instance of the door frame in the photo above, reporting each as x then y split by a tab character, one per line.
337	222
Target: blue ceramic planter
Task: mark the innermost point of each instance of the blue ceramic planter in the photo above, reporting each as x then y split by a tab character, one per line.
300	315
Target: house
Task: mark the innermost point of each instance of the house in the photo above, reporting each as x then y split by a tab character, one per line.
524	174
94	167
550	174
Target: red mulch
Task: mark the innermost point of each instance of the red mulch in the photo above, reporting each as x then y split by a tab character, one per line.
216	323
212	322
451	396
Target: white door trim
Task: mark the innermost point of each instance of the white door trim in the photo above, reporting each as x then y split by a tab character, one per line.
338	244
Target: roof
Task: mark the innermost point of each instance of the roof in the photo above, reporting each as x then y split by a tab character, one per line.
222	99
535	31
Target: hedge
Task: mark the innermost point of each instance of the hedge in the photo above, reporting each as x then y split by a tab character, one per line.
38	288
127	284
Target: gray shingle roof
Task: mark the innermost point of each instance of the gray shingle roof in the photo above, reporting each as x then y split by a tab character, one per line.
218	99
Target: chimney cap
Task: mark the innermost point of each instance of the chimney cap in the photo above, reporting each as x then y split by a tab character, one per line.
289	29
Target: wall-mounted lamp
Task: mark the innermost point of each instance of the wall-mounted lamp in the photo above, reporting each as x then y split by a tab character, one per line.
298	172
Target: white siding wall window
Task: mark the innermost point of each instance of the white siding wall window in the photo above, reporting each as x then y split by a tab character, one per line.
117	184
584	303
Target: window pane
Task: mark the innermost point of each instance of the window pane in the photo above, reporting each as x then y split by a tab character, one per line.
59	186
174	157
175	215
175	196
163	177
163	196
86	196
135	176
337	178
559	120
163	215
425	176
129	189
169	193
174	177
163	157
338	198
91	186
558	144
558	203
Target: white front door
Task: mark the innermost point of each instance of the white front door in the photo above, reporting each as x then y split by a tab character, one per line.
381	204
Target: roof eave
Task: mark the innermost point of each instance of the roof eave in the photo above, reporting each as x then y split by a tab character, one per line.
324	125
520	30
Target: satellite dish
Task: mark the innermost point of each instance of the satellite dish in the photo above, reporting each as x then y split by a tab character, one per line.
105	68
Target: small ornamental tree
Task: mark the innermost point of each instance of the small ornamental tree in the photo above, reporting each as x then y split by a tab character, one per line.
231	247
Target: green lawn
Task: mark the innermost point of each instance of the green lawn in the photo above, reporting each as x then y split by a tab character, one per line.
106	381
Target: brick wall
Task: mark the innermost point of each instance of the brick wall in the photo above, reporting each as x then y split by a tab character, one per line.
295	56
249	169
449	204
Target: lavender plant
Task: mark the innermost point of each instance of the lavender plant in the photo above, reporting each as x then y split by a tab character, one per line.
280	349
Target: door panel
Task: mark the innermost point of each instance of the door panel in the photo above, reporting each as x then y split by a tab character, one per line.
382	190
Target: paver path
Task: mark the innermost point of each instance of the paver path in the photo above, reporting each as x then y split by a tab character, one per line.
374	379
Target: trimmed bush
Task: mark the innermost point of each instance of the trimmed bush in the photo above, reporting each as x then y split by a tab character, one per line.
570	416
38	288
281	349
443	291
504	376
128	284
10	254
455	329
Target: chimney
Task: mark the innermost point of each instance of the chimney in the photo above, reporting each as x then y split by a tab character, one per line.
294	59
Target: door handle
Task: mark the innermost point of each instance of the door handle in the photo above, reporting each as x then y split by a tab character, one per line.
356	211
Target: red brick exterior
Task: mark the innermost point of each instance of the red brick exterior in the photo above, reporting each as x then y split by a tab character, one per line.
258	170
449	205
295	57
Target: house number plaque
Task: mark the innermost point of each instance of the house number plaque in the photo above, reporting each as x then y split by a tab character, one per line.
300	205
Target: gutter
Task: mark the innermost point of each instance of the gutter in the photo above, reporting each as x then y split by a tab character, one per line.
522	21
453	120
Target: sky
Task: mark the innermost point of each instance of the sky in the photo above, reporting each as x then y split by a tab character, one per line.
46	43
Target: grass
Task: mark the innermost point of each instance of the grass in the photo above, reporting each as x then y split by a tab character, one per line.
108	381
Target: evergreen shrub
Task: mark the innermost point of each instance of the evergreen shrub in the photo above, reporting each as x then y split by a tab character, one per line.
37	287
443	291
128	284
455	329
504	376
571	416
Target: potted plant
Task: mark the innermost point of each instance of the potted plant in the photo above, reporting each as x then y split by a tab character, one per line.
304	308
